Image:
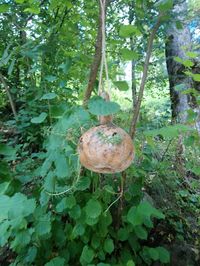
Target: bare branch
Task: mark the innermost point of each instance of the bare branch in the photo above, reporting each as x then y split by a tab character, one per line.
96	61
9	95
144	77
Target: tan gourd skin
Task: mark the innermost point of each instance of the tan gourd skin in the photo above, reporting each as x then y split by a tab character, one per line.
106	148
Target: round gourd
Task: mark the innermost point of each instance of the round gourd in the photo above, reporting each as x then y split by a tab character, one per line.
106	149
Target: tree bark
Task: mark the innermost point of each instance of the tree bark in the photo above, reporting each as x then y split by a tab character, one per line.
96	61
12	104
177	39
133	62
144	77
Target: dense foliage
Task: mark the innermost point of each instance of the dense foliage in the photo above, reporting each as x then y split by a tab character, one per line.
52	210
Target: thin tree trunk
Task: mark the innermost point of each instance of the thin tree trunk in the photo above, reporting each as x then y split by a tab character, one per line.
96	61
144	77
12	104
133	62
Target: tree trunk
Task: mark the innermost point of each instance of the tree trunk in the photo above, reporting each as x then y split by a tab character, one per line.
133	62
178	43
97	57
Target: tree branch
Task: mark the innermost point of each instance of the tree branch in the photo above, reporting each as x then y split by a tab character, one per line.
9	96
144	77
96	61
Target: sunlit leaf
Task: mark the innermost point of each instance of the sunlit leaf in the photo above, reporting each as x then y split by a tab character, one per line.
122	85
39	119
49	96
33	9
192	54
4	8
129	30
128	55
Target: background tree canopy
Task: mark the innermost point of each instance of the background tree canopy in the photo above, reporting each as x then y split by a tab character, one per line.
53	211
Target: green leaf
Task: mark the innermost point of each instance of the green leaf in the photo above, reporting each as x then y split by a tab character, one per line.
62	166
148	210
187	63
108	246
134	217
49	96
91	221
51	78
128	55
58	261
196	170
122	85
78	230
8	209
87	255
44	198
4	8
179	25
128	31
4	207
3	187
65	66
7	151
33	9
196	77
66	203
70	201
93	208
178	59
192	54
43	226
75	212
31	255
165	5
50	181
98	106
169	131
5	232
164	255
154	254
84	183
140	232
21	240
25	206
123	234
19	1
130	263
61	206
96	241
39	119
142	214
10	69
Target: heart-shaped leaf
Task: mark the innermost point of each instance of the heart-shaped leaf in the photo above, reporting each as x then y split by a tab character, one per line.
98	106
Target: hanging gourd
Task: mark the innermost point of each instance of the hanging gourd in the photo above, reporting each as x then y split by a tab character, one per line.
105	148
